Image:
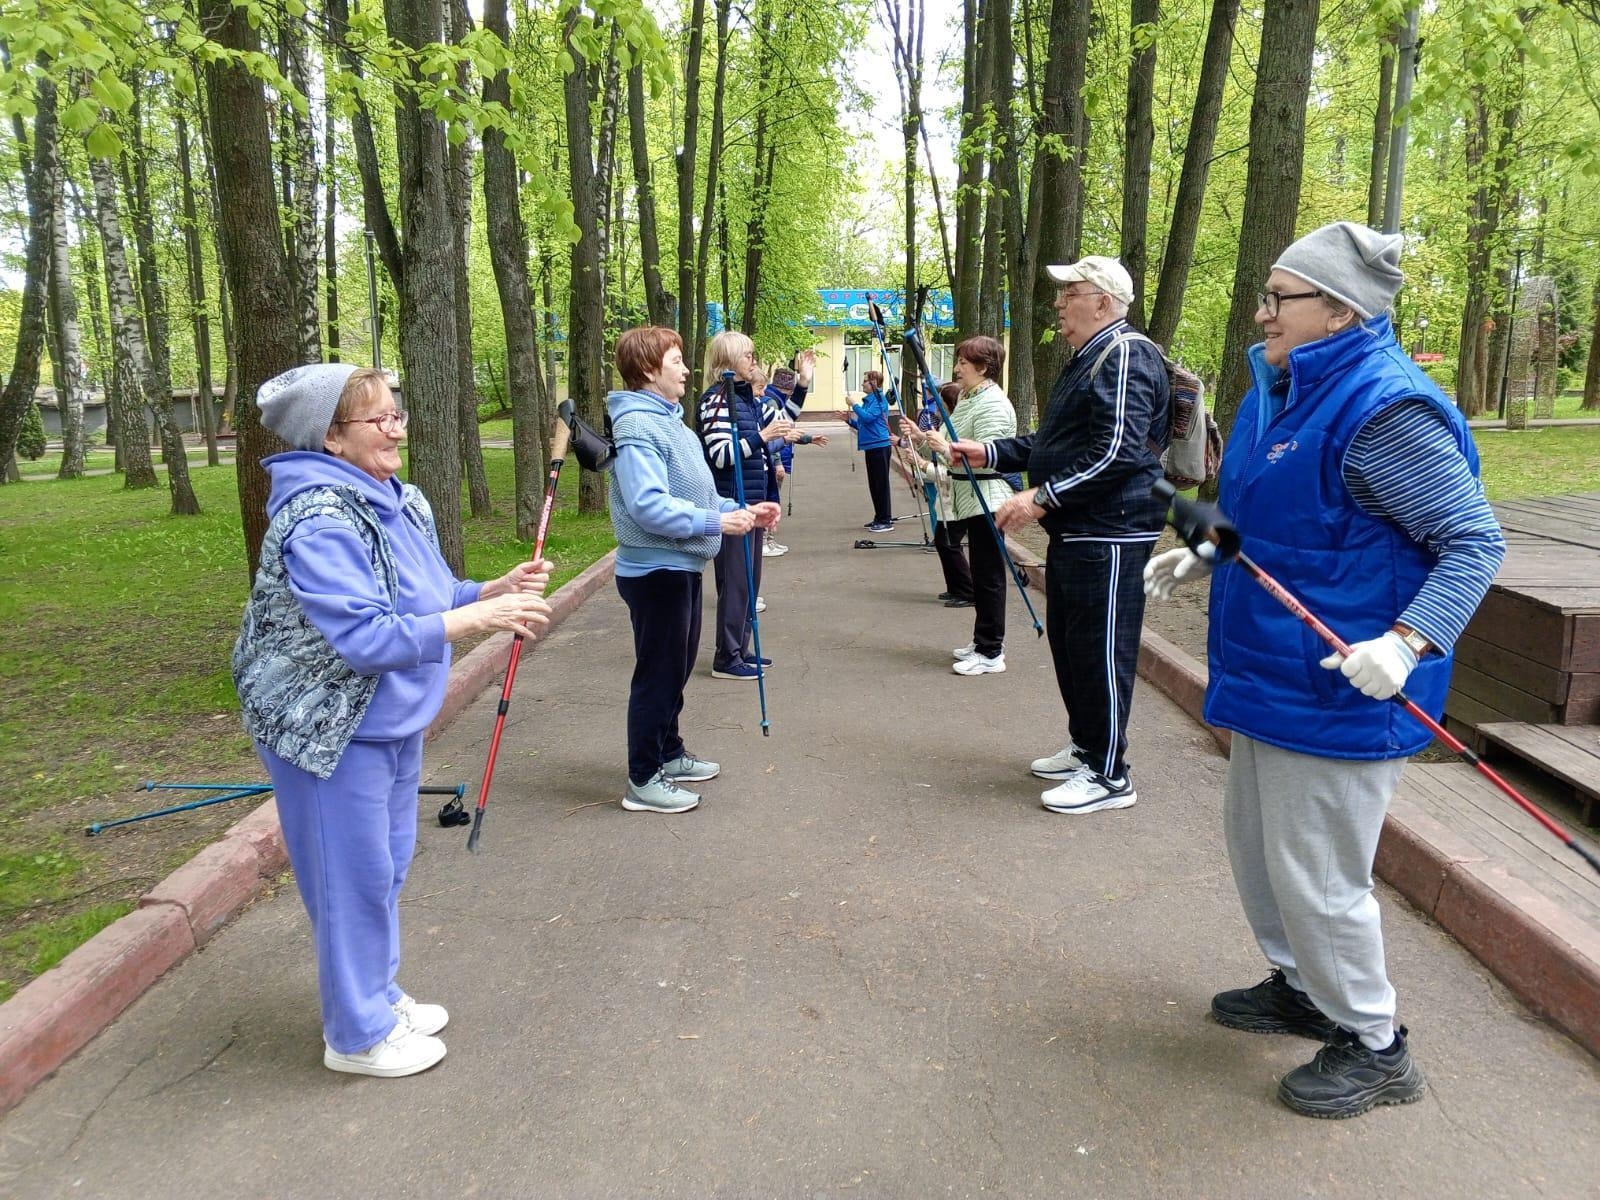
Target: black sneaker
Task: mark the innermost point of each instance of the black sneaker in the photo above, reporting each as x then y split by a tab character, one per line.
1272	1006
957	602
945	596
1346	1078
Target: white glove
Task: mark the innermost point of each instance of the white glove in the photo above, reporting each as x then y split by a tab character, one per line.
1164	572
1377	668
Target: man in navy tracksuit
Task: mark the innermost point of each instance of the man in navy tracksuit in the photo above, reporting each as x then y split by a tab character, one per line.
1091	465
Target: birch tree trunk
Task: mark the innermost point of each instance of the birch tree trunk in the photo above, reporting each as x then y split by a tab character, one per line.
129	368
66	353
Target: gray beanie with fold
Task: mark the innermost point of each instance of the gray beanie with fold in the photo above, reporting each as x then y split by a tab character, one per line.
298	405
1349	262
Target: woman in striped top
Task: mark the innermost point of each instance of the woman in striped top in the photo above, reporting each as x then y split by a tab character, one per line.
1354	481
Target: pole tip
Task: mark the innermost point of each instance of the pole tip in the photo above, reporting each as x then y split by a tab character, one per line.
477	830
91	830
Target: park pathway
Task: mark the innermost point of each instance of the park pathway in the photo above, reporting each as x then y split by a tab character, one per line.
869	965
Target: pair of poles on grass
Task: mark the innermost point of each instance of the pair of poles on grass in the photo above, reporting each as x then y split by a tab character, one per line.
230	791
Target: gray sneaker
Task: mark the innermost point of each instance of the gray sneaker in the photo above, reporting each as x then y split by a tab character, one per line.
659	795
688	769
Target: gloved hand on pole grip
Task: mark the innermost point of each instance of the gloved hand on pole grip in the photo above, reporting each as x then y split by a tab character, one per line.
1377	668
1164	572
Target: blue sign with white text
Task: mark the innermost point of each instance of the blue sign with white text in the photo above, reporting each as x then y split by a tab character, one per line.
848	307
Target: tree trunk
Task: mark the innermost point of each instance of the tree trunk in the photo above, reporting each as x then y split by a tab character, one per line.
196	278
158	361
256	274
508	251
300	180
129	369
428	347
1591	373
687	163
755	227
466	374
1138	138
1482	218
658	301
1058	175
230	343
708	211
1020	260
911	132
23	380
67	350
976	77
587	317
330	230
1382	118
1272	181
1187	205
87	233
990	284
375	208
609	199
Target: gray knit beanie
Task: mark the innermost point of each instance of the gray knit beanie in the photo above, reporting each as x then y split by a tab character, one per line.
298	405
1349	262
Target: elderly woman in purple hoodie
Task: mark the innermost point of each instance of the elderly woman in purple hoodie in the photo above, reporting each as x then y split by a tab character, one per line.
340	665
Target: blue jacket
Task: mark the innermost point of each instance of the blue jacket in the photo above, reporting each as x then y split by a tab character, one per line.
664	502
1282	482
870	421
342	635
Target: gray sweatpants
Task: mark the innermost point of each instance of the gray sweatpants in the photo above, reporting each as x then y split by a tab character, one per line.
1302	832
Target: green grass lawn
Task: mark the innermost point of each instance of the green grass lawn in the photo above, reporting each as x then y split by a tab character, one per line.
120	621
1539	462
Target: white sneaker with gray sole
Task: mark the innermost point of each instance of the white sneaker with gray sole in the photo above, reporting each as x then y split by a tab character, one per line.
686	768
1087	792
1060	765
978	664
423	1018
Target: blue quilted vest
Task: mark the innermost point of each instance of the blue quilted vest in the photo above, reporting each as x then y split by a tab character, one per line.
747	412
1282	482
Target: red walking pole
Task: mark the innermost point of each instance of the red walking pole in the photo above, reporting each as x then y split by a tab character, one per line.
1199	523
559	438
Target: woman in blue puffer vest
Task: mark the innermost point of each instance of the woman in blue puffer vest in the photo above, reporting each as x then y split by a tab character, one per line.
1353	481
340	666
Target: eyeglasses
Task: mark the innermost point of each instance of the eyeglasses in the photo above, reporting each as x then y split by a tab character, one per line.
1271	301
386	422
1070	296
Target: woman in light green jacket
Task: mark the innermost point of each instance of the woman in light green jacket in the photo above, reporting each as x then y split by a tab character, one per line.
983	415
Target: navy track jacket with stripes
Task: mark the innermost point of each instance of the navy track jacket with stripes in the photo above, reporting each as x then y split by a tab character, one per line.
1091	457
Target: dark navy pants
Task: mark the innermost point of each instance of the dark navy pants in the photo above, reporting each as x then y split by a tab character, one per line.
664	607
734	598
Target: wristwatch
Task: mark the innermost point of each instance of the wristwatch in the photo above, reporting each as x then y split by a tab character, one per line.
1419	644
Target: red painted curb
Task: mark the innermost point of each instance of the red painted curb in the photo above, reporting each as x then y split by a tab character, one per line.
1546	956
57	1014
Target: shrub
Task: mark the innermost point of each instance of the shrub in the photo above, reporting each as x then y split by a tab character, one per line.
30	439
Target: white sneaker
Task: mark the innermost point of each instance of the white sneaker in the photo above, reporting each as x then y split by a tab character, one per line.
966	651
423	1018
773	550
977	664
761	605
1060	765
1089	791
403	1052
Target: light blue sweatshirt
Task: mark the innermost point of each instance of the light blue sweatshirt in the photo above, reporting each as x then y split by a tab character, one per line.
400	639
664	487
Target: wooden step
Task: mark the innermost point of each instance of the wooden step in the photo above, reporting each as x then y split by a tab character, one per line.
1570	753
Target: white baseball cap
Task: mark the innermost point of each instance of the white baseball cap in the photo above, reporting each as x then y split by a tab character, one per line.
1106	274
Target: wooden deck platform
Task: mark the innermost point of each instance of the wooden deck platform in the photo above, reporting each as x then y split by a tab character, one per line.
1532	652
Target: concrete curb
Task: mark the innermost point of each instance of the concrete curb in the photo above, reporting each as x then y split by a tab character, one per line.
1546	956
57	1014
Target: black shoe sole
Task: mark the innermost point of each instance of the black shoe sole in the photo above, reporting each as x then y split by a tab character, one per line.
1405	1090
1305	1029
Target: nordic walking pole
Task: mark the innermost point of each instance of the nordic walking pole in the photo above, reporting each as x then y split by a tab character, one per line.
559	438
1202	524
100	827
749	565
913	340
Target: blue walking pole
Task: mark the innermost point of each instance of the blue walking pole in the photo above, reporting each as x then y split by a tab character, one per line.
913	341
749	564
100	827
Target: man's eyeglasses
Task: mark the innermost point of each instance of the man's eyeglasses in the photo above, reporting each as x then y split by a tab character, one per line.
1071	296
1272	301
386	422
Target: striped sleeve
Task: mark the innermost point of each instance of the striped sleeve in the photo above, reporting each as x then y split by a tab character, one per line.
1124	394
716	430
1404	466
